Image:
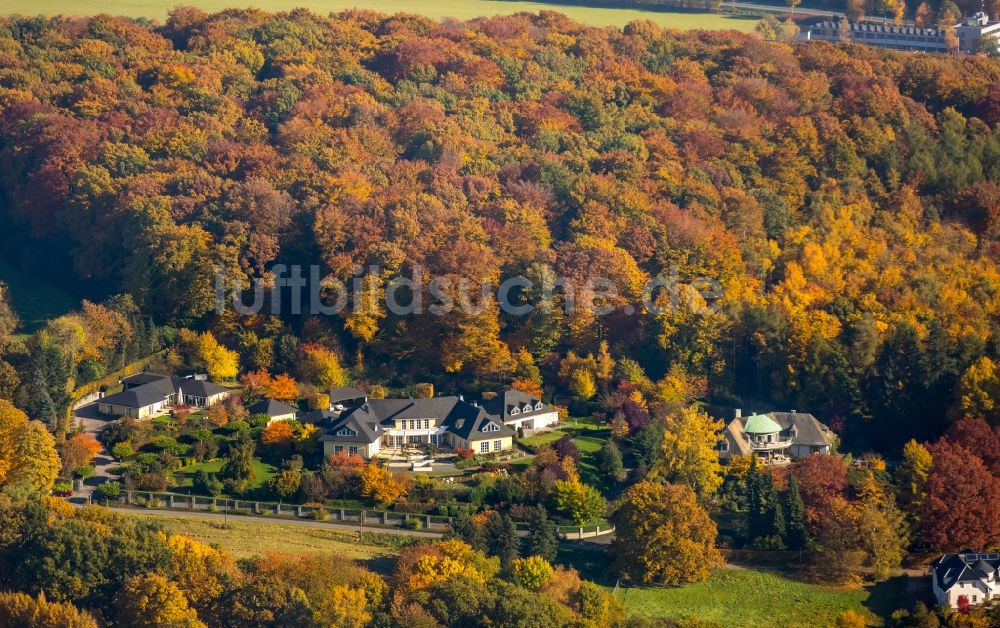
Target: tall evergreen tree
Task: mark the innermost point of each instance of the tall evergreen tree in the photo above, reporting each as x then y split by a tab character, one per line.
897	390
465	529
611	460
773	516
501	540
756	507
542	539
238	470
796	533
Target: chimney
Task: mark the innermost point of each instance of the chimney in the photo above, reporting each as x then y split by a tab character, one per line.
738	413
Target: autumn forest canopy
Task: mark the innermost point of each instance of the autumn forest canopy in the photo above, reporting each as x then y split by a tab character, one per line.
847	199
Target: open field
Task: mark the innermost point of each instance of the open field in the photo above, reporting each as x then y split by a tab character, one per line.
436	9
34	299
245	539
744	597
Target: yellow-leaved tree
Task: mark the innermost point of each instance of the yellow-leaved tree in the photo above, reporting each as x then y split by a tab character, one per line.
690	450
532	572
380	485
979	391
663	535
348	607
421	566
28	458
221	363
318	365
20	609
200	571
152	600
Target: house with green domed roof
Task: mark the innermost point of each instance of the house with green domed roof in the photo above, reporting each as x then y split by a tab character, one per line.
776	437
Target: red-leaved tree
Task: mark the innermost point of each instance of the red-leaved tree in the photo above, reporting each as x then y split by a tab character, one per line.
960	509
821	478
977	436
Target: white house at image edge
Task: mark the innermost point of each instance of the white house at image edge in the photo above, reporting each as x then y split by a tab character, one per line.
971	575
368	427
150	394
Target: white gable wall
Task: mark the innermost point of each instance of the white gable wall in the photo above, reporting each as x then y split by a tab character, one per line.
532	421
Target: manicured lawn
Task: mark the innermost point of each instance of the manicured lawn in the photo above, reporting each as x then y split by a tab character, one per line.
745	597
589	436
437	9
244	538
34	299
262	470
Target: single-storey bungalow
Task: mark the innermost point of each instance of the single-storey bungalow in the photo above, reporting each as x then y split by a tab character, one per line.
150	394
277	410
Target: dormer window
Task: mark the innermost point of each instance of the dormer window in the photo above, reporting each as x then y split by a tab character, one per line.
491	427
346	431
514	411
538	406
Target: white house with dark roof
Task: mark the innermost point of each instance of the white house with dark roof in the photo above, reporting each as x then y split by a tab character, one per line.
520	410
368	427
150	394
776	437
346	397
974	576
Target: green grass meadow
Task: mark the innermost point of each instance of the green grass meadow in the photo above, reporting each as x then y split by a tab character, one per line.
589	436
742	597
245	539
738	597
436	9
263	472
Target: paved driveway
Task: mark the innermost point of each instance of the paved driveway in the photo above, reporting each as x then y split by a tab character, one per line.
93	422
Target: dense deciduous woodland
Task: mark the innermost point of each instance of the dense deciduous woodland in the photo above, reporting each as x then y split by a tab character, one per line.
846	198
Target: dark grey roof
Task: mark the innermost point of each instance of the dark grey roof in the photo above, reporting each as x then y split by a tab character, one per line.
366	429
373	417
440	408
136	398
140	379
150	388
808	430
198	387
271	407
474	428
318	416
967	566
345	394
501	405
